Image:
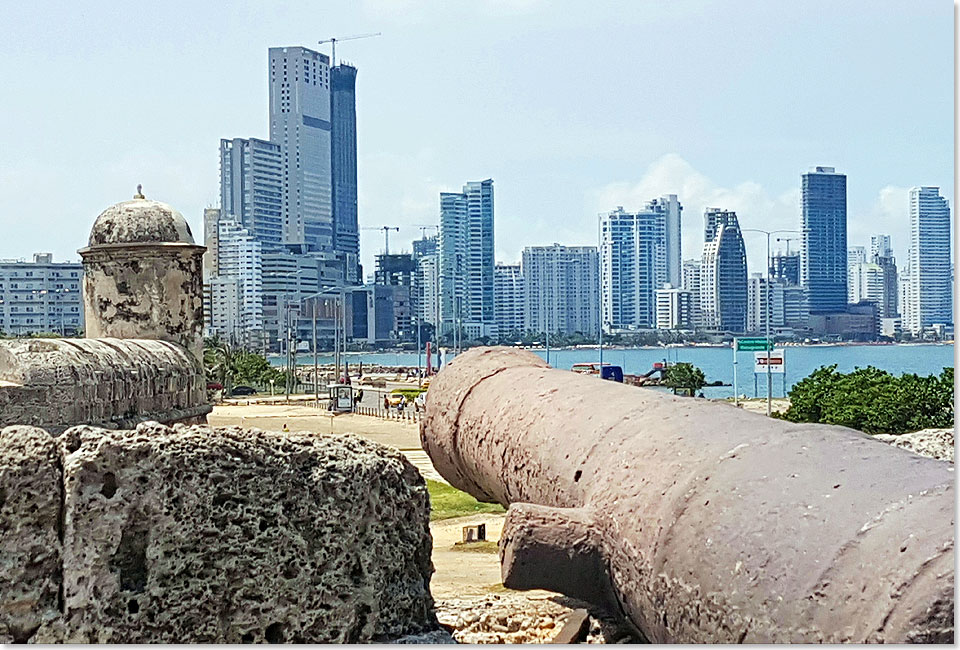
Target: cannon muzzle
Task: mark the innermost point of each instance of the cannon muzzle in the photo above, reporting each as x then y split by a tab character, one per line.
696	521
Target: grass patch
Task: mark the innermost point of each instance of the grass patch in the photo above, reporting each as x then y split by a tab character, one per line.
485	546
410	393
447	502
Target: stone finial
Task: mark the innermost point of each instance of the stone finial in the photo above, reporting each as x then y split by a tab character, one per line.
139	194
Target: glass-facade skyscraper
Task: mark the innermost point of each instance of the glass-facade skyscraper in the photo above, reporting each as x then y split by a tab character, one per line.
929	298
823	253
343	109
633	265
723	273
251	188
465	243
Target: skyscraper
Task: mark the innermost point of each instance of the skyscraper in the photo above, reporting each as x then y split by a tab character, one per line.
856	255
508	298
880	246
929	291
300	122
251	188
237	289
397	271
823	253
786	267
633	262
691	282
343	111
759	291
211	219
560	289
723	274
674	308
671	209
465	245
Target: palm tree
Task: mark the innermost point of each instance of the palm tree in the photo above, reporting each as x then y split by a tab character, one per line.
220	362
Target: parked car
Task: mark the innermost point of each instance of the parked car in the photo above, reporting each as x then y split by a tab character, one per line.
243	390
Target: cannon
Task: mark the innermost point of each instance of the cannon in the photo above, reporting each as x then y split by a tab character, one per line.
694	521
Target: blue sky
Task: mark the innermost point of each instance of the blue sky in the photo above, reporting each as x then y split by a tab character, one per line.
571	107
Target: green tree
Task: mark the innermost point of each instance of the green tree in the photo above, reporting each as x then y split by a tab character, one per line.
684	376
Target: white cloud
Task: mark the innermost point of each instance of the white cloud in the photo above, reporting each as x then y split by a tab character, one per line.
671	174
890	214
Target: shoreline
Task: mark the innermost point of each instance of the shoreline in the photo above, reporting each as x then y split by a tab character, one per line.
667	346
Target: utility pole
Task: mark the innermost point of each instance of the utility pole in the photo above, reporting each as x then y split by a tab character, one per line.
316	374
769	312
600	292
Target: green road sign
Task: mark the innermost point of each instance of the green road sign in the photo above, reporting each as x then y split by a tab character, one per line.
753	345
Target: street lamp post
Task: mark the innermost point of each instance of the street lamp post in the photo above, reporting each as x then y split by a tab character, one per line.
768	312
419	356
600	292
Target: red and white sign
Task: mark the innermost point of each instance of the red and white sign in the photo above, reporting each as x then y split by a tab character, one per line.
777	364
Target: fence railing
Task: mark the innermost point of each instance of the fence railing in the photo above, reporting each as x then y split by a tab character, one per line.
407	415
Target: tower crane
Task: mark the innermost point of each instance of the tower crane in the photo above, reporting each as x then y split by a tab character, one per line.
424	228
334	40
788	240
386	235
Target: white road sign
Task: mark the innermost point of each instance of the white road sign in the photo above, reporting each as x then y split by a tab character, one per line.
777	364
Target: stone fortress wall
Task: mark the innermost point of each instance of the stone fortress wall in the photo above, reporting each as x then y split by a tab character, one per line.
57	383
195	534
187	534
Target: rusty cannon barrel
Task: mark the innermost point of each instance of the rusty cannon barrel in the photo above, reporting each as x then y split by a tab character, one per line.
697	521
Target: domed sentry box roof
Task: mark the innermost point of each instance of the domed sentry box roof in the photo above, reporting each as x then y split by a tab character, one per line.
140	221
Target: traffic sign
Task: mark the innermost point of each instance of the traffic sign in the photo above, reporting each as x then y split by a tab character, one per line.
753	344
776	362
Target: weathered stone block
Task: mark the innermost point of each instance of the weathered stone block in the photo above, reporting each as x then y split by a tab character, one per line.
195	534
59	383
29	531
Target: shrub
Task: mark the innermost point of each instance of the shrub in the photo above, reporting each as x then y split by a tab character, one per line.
684	376
873	400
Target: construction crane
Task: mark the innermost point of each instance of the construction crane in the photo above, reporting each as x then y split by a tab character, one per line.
386	235
424	228
788	240
333	44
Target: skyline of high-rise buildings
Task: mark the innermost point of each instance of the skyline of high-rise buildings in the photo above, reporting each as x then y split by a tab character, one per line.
296	195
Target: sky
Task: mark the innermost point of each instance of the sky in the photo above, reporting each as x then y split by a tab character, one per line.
573	108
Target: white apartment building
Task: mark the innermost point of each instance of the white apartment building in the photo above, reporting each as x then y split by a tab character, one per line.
561	292
40	296
236	292
764	295
674	308
508	298
427	289
633	262
690	281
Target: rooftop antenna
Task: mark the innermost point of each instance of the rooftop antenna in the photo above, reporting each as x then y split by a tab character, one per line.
333	44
